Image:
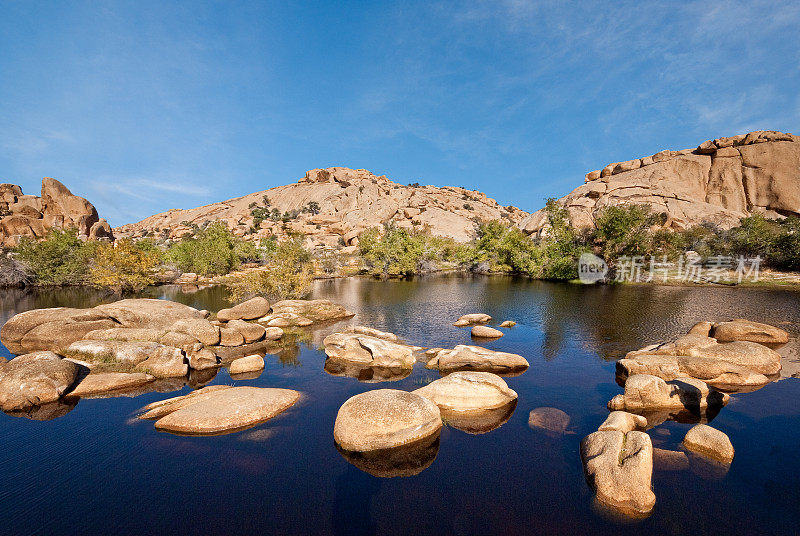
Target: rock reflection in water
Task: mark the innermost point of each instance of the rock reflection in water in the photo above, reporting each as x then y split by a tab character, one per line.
479	421
46	412
406	460
366	374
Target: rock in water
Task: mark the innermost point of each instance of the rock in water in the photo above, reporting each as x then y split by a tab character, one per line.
552	421
747	330
105	382
251	363
715	372
199	328
248	310
619	467
228	410
372	332
508	324
385	419
35	379
485	332
250	332
315	310
368	351
477	358
160	408
710	442
645	392
467	392
471	319
622	421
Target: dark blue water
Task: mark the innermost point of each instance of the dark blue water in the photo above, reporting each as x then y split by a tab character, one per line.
96	470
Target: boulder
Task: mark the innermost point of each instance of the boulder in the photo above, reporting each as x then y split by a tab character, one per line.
248	310
622	421
126	334
127	353
315	310
228	410
184	341
619	468
372	332
747	330
466	392
647	392
251	363
385	419
552	421
472	318
715	372
35	379
201	359
104	382
165	362
285	320
709	442
508	324
368	350
160	408
147	312
485	332
250	332
273	333
701	328
230	337
199	328
476	358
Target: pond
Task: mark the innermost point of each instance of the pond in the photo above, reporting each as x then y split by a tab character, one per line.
97	470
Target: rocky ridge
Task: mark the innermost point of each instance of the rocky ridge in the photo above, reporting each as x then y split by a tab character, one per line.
29	215
347	202
720	181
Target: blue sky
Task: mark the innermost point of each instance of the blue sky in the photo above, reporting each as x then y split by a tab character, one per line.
145	106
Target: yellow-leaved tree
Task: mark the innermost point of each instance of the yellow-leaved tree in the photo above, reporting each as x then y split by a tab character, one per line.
126	266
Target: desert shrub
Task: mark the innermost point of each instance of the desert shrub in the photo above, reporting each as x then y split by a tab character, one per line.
60	259
13	273
211	251
624	230
755	235
561	246
785	252
504	248
125	266
394	253
288	274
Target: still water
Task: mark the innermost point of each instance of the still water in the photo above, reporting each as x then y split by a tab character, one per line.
96	470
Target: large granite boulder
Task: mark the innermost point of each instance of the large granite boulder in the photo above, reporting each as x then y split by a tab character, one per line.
717	373
477	358
315	310
647	392
248	310
104	383
199	328
54	329
35	379
227	410
465	392
747	330
619	467
385	419
709	442
368	351
157	359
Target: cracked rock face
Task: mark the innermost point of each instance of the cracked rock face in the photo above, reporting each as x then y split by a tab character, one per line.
720	182
619	468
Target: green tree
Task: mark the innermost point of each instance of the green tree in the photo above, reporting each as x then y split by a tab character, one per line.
60	259
211	251
288	274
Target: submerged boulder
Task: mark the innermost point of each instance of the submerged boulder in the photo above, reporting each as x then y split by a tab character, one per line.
647	392
477	358
385	419
35	379
227	410
619	468
551	421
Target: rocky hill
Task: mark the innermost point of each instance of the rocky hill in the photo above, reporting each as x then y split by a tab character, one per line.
29	215
332	207
720	181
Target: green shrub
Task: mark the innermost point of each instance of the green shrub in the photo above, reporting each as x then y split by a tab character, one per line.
560	246
785	253
624	230
60	259
504	248
288	274
211	251
395	253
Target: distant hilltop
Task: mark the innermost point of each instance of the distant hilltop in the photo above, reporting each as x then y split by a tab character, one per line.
32	216
720	181
331	207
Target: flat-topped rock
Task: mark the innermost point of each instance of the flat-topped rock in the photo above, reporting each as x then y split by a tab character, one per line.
126	334
315	310
619	468
368	350
385	419
709	442
35	379
468	391
105	382
228	410
372	332
622	421
477	358
485	332
158	409
285	320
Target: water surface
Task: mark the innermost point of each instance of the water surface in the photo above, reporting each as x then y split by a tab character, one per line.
96	470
